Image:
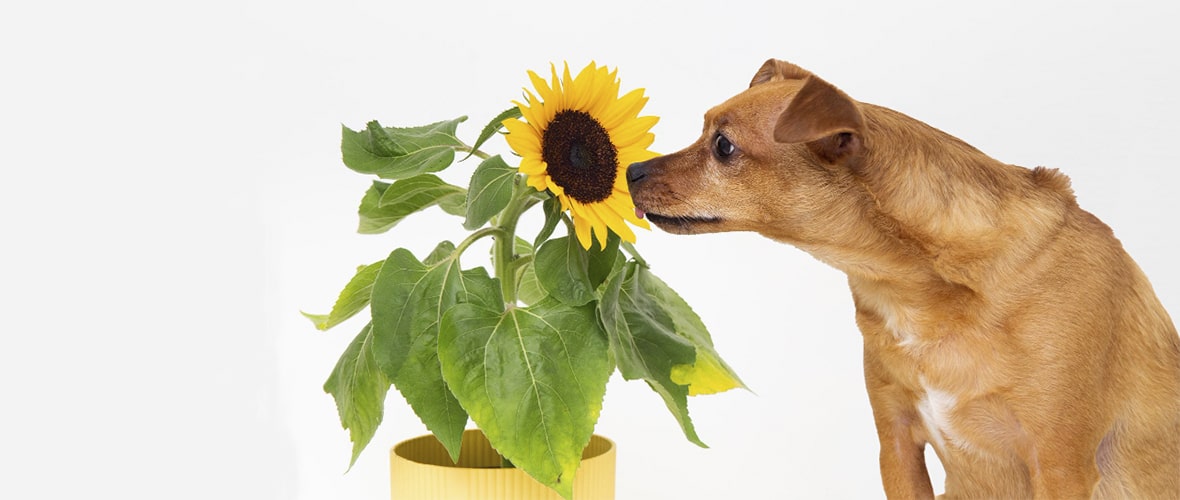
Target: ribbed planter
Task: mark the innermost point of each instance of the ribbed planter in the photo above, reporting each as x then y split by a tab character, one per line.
421	469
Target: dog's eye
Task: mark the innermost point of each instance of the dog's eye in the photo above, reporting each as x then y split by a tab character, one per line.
723	147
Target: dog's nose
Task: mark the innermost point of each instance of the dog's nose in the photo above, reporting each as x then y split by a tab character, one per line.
636	172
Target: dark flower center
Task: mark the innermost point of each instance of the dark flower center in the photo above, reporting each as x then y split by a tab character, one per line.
579	156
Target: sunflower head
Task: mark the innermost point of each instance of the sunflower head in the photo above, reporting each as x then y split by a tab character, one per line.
576	139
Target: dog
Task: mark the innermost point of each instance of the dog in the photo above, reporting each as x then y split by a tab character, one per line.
1003	325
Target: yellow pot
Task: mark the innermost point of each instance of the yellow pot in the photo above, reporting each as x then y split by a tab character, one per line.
421	469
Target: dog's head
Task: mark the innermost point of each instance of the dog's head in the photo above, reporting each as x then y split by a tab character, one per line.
769	159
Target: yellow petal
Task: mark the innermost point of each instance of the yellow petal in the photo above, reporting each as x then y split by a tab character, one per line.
625	108
620	228
582	231
610	97
537	182
532	114
532	165
543	89
634	155
585	84
553	186
567	87
521	138
625	209
632	131
556	100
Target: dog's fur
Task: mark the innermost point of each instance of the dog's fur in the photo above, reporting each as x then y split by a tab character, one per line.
1003	325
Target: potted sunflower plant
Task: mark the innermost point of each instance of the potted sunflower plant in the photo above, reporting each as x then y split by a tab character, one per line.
525	346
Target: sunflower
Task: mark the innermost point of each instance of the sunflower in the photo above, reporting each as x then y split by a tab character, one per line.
577	139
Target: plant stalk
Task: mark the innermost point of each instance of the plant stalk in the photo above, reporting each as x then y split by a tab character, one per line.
474	152
505	250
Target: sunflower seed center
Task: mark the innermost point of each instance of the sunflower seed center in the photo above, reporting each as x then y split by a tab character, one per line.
580	156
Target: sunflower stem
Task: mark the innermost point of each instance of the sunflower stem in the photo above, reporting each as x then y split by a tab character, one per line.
505	249
473	237
475	152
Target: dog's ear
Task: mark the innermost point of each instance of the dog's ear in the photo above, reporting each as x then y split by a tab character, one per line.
824	118
774	70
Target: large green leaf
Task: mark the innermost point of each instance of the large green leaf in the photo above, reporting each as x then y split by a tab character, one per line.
359	388
644	340
409	297
571	273
384	205
489	192
352	299
397	153
492	127
532	378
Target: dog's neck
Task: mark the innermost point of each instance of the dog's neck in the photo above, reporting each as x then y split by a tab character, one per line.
985	213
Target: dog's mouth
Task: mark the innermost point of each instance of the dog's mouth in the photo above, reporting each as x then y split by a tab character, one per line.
682	224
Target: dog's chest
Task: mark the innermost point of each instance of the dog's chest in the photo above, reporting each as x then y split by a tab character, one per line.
944	371
935	405
935	408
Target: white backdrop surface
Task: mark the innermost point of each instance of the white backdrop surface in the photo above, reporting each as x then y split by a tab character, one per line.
172	195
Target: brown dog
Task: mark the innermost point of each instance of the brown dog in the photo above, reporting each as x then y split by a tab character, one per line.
1002	324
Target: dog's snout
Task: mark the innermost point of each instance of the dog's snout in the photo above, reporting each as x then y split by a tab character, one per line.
636	172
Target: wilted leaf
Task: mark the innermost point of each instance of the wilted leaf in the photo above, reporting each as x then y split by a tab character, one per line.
710	374
644	341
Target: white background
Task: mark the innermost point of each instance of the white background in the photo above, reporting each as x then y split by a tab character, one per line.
172	195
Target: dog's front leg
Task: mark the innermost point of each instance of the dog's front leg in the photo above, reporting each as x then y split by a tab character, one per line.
1061	455
903	460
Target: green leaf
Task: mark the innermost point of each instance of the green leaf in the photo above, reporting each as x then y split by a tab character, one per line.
359	388
561	267
385	205
418	192
529	290
409	297
454	205
571	273
443	251
352	299
522	246
553	212
644	340
600	262
397	153
489	192
492	127
532	378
